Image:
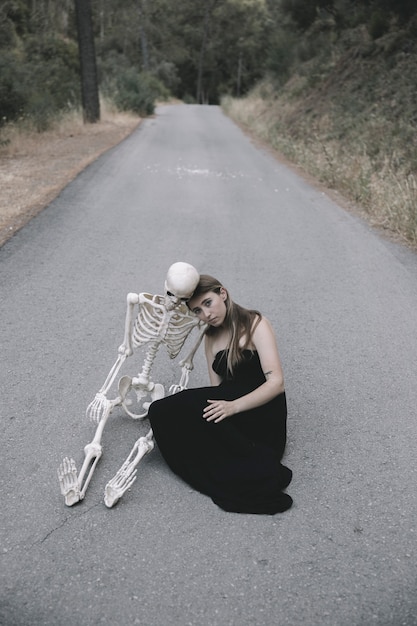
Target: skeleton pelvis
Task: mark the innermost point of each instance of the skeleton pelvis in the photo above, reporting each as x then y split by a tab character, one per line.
140	393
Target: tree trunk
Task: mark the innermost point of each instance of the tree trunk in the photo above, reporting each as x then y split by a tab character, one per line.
209	8
89	82
199	94
143	35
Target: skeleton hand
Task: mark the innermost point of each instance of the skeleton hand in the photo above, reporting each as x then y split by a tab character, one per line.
176	389
183	384
99	408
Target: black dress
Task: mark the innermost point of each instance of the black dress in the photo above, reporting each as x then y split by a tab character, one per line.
236	461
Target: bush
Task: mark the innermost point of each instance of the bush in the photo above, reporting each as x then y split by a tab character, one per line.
52	71
378	24
167	74
110	67
281	53
137	92
41	84
12	101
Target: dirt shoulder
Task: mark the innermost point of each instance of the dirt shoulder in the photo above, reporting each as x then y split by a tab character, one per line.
35	168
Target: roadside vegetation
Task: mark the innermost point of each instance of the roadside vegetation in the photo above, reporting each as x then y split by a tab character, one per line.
23	139
330	84
340	100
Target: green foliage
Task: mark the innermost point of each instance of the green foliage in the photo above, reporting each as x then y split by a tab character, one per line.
282	51
403	9
304	14
12	100
137	92
378	24
14	17
39	74
197	51
167	73
50	78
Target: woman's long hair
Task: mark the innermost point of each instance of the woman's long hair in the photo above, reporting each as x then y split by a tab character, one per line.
240	322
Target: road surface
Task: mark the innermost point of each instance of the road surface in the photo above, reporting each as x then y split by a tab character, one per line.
188	185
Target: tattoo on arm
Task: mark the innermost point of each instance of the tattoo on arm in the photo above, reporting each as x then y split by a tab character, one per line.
267	374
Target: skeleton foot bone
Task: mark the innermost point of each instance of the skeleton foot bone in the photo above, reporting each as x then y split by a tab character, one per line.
126	475
68	480
117	486
151	321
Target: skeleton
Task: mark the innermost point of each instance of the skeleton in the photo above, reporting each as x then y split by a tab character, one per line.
160	320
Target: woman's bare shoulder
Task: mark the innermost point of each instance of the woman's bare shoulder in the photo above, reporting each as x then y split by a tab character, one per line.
263	330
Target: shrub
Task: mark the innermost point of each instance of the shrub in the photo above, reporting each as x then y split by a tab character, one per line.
281	53
378	24
12	100
167	74
137	92
110	67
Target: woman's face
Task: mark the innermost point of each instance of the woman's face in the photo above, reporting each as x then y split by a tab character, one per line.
210	307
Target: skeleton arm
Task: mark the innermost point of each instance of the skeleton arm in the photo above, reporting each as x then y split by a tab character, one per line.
187	364
101	406
126	347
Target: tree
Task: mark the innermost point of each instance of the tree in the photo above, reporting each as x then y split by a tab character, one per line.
143	35
89	82
208	12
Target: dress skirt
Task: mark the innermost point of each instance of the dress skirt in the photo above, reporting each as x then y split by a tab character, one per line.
237	462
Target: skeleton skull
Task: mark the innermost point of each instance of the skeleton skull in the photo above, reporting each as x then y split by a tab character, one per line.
181	281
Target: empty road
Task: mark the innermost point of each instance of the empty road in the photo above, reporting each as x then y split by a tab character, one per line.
189	185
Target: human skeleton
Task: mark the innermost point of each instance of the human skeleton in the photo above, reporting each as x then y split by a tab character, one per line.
160	320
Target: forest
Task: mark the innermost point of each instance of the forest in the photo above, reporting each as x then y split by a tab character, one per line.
193	50
331	84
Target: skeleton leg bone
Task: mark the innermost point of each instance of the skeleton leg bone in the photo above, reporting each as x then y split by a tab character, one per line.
73	487
126	475
101	405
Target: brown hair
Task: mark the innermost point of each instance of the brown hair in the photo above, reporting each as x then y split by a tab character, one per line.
239	321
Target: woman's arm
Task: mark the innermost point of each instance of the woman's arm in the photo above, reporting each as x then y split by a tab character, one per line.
265	343
215	380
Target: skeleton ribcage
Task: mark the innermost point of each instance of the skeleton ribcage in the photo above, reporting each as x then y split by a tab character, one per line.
154	323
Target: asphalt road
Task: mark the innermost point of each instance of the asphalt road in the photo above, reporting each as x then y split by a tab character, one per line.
189	185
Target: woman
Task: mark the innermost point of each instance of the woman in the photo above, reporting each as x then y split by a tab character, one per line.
227	440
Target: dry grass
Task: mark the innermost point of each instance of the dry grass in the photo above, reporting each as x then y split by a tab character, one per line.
35	167
365	162
23	139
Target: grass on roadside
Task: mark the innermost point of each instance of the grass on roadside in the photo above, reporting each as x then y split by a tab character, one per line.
362	165
369	159
20	138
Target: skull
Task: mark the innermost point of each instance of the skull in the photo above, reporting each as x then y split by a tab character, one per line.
181	281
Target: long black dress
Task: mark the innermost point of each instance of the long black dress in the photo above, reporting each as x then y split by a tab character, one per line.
236	461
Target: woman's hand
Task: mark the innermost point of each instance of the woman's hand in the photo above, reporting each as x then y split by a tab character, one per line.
218	410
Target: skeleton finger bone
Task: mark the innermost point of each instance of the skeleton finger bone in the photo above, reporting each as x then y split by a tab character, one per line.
183	381
100	408
73	487
160	320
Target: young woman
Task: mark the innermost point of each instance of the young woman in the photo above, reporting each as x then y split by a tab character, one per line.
227	440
